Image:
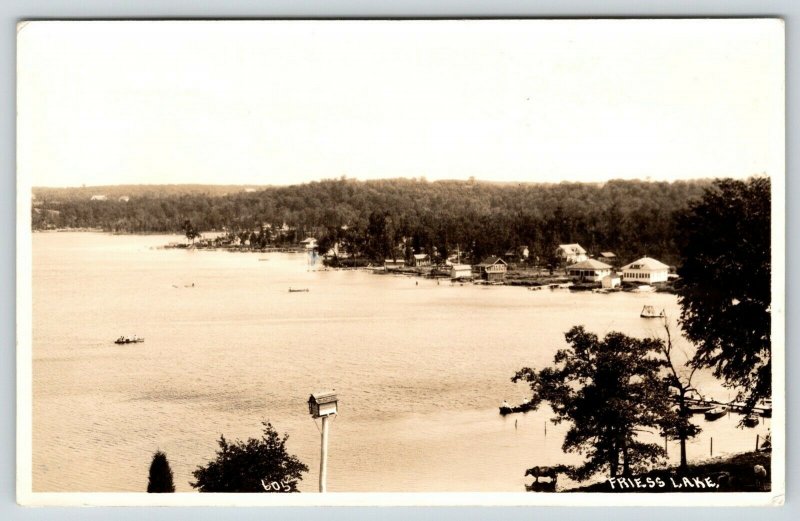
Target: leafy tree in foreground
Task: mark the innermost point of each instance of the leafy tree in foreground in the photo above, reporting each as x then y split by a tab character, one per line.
246	466
610	390
725	297
160	479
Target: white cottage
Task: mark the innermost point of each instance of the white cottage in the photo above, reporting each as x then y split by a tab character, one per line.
393	264
589	270
571	253
645	271
421	259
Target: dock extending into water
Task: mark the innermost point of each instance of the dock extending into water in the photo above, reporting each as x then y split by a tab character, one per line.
761	409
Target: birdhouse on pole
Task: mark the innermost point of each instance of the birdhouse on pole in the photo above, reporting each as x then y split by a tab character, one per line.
322	404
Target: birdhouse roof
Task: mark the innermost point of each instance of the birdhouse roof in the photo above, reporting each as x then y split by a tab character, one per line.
323	397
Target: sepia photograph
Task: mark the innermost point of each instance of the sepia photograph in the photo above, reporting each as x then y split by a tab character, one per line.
401	262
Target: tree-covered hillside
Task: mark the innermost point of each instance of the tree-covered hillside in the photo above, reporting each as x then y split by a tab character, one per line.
630	218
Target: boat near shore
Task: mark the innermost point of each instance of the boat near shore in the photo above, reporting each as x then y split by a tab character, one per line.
696	408
716	413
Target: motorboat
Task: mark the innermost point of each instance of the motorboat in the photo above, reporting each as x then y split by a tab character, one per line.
129	340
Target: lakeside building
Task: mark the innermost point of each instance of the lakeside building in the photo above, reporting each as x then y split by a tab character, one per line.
460	271
421	259
589	270
645	270
492	269
392	264
571	253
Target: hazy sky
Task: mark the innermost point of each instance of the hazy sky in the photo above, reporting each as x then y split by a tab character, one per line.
286	102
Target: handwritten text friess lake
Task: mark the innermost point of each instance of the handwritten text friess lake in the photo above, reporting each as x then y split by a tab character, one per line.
420	368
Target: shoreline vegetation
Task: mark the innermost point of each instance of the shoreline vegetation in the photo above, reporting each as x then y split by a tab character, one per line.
381	219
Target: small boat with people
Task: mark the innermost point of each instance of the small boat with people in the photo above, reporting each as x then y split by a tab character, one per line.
298	290
650	312
507	408
717	412
129	340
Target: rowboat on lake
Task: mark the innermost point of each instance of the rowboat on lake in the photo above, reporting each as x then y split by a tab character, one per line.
298	290
717	412
698	408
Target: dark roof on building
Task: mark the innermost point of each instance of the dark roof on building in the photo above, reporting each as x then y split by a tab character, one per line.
488	261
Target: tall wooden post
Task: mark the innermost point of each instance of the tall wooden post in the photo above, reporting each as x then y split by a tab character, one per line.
323	460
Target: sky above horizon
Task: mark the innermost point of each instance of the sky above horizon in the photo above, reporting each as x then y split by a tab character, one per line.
103	103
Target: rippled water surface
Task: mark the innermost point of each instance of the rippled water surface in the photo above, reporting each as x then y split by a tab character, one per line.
420	367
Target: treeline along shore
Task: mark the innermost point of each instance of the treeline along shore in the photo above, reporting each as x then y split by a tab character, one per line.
371	218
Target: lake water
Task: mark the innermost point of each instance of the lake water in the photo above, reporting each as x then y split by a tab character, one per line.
420	367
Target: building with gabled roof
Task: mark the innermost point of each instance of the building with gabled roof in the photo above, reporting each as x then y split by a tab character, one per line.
492	269
589	270
571	253
421	259
645	271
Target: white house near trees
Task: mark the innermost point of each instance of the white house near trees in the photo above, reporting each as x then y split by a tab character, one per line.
646	271
571	253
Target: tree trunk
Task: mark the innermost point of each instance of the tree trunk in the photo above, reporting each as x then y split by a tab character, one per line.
626	465
613	457
682	431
